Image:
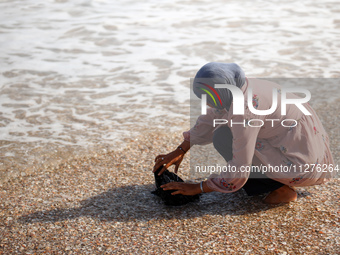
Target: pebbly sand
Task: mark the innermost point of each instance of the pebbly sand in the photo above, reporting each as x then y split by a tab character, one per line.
102	204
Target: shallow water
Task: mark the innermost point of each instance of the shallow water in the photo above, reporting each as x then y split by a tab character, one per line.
83	76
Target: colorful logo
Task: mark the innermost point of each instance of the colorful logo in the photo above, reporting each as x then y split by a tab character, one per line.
209	93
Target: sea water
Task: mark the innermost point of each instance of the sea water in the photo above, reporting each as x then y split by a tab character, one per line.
86	75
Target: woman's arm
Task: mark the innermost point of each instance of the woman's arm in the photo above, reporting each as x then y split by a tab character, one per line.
184	146
186	188
176	158
173	158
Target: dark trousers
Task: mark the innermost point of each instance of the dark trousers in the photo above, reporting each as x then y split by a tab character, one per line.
257	183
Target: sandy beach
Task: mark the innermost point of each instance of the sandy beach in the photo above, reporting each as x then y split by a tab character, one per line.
103	205
92	90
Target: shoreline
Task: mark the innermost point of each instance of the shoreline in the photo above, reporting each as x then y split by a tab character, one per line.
31	158
28	161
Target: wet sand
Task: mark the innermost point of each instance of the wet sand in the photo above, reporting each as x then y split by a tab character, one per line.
102	204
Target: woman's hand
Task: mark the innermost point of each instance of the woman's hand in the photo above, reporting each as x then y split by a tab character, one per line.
173	158
182	188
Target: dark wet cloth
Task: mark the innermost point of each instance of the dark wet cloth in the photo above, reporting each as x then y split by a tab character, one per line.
165	195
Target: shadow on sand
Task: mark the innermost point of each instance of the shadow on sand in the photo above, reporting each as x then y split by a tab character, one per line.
130	203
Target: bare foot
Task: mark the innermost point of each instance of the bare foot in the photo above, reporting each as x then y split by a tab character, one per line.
285	194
